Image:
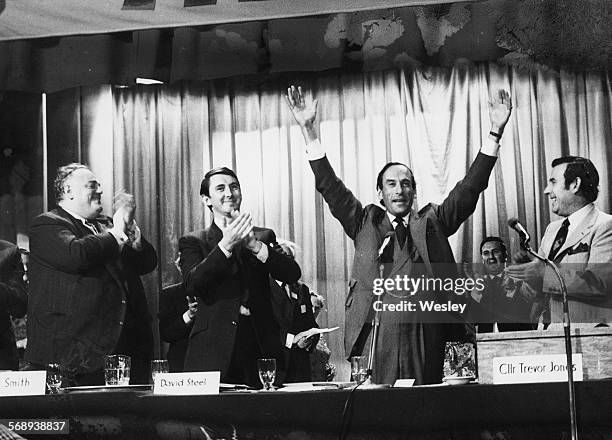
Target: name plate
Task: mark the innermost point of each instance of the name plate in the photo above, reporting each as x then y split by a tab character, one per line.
23	383
535	368
182	384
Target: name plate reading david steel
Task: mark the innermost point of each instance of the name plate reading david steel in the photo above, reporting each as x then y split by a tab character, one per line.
183	384
22	383
536	368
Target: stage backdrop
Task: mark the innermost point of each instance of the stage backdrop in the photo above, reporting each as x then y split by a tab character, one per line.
158	141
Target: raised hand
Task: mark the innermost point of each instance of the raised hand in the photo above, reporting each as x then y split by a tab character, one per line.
236	230
500	107
305	113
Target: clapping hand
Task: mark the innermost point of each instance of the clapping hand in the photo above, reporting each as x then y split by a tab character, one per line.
236	229
192	304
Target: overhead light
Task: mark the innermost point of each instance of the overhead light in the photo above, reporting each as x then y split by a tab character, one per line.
189	3
138	4
148	81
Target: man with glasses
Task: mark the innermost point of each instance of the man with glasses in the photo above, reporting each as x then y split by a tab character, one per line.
86	296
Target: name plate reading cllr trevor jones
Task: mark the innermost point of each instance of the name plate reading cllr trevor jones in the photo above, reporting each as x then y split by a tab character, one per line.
535	368
22	383
182	384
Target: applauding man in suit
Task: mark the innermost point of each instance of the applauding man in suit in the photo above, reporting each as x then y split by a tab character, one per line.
579	243
86	296
227	267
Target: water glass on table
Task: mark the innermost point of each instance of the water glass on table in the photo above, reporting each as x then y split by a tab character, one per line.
267	372
54	378
117	369
158	366
359	368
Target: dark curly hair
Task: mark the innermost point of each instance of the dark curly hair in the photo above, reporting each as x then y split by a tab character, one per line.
63	173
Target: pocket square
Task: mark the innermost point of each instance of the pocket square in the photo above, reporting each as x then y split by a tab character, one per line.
582	247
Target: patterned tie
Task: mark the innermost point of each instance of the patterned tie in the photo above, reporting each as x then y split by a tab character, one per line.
559	239
400	231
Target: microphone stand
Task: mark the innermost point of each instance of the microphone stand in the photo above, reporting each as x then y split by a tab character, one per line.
566	333
367	383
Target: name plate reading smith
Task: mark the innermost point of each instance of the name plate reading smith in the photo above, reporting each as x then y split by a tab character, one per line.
22	383
183	384
536	368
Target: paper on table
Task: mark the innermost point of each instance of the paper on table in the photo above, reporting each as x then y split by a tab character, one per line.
313	331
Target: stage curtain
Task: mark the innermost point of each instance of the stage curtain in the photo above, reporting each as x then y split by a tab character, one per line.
166	138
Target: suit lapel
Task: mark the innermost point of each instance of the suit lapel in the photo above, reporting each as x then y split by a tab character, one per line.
578	233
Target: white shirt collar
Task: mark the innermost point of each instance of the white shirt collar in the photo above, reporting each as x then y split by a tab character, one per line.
577	217
392	218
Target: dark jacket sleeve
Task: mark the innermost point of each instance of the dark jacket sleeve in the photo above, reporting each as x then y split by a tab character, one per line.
59	247
342	202
172	305
280	266
461	201
201	270
142	261
13	294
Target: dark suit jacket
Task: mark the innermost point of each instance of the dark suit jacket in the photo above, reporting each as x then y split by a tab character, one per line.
13	302
172	327
81	292
430	229
219	283
295	315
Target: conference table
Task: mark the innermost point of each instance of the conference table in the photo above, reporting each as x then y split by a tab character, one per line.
472	411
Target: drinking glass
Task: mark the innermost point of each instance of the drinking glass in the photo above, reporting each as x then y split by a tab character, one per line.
117	369
158	366
359	368
267	372
54	377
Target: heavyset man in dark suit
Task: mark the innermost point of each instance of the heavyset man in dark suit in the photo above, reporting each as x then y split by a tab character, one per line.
406	348
228	266
86	296
13	302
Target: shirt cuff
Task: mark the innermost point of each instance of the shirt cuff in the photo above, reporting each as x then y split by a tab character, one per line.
120	237
225	251
490	146
314	150
289	340
263	254
186	318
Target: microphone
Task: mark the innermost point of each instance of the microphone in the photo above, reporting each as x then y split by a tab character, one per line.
385	243
522	232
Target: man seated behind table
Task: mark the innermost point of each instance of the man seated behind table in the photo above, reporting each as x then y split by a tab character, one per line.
296	318
176	317
86	296
500	302
227	267
13	302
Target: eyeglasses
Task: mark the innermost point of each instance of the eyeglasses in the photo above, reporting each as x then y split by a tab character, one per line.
93	185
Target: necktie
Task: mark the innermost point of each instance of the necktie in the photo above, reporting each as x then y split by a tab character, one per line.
400	231
559	239
92	226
